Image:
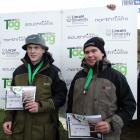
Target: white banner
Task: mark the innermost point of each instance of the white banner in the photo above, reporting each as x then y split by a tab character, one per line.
65	33
117	28
14	29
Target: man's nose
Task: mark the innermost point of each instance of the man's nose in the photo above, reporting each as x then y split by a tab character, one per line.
90	54
33	49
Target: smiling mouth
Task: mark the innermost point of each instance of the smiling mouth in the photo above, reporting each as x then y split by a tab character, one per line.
33	56
92	60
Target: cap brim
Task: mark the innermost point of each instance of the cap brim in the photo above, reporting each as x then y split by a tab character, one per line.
24	47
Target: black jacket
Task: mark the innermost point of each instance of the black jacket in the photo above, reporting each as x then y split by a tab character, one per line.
109	95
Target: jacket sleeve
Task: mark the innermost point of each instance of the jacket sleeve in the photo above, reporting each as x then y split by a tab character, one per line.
70	97
71	90
59	92
125	102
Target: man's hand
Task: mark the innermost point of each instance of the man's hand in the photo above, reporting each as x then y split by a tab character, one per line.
32	106
7	127
103	127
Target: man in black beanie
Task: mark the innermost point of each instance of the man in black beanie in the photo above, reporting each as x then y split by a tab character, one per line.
98	89
96	41
39	119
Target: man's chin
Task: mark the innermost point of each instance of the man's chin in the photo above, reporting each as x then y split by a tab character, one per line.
34	61
91	64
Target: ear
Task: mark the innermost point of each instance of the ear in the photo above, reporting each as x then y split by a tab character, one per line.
103	55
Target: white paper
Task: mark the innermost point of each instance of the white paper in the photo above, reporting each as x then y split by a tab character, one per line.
17	95
78	126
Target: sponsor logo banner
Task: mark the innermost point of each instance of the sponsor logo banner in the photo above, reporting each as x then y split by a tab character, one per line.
12	24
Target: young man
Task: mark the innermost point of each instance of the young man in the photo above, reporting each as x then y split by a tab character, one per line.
99	89
39	119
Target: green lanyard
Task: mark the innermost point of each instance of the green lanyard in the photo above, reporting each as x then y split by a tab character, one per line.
88	80
31	75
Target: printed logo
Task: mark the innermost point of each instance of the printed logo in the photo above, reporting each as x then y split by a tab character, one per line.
118	33
111	19
121	67
7	69
12	24
46	84
10	52
84	36
130	2
77	19
19	38
39	23
76	52
74	69
49	37
7	82
117	51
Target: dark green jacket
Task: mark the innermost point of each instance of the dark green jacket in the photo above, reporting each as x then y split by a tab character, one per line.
51	94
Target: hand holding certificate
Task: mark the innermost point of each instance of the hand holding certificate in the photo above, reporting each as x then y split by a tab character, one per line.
16	96
78	126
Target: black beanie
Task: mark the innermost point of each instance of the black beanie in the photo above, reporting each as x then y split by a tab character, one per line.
96	42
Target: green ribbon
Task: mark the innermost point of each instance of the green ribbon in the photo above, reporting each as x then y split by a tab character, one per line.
31	75
88	80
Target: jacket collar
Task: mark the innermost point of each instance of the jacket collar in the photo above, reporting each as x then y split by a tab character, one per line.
98	67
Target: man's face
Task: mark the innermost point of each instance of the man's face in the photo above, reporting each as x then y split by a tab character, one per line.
35	53
92	54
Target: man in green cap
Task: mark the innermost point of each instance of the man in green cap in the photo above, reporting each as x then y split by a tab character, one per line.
39	119
98	89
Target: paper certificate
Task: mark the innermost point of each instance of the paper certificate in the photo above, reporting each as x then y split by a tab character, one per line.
17	95
78	126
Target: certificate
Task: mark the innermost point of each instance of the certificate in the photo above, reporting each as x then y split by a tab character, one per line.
17	95
78	126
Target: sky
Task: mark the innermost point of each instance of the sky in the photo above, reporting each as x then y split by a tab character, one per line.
9	6
14	6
